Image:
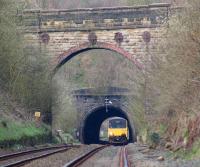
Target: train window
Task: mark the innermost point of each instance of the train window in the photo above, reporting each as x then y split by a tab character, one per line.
117	123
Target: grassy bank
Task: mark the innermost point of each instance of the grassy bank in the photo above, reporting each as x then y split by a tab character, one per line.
24	134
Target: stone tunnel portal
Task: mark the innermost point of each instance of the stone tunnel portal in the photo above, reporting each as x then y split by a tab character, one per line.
93	121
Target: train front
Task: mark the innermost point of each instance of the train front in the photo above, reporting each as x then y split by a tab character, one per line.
118	131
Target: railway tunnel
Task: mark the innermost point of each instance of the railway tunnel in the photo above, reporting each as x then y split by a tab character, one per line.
93	109
93	121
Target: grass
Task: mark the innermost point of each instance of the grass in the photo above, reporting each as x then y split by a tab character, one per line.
162	129
189	154
194	152
22	133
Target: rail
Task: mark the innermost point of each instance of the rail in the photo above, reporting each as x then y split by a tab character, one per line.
78	161
124	158
5	159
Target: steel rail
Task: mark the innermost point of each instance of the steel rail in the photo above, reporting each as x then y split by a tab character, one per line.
80	160
22	162
123	159
17	154
27	160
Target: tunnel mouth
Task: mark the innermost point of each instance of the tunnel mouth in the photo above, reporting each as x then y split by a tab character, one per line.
93	121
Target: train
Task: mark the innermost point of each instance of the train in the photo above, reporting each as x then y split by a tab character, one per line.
118	131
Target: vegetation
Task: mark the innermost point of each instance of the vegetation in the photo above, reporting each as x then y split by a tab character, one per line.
24	75
26	133
177	78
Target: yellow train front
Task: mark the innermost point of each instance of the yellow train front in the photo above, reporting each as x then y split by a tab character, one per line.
118	131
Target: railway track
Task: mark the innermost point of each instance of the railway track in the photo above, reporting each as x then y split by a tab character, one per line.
23	157
123	161
80	160
123	157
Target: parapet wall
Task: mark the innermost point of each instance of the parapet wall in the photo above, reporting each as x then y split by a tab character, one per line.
145	16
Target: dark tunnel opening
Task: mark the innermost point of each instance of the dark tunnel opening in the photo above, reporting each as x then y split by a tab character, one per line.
92	123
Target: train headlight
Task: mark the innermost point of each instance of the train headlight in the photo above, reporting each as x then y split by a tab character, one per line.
110	133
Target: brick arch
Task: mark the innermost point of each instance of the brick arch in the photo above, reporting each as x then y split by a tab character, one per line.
72	52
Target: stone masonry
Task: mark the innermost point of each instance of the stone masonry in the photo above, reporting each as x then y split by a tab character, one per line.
126	30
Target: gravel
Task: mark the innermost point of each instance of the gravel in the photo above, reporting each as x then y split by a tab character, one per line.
141	156
60	159
108	157
138	155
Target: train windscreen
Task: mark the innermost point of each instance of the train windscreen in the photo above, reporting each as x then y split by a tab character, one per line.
117	123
